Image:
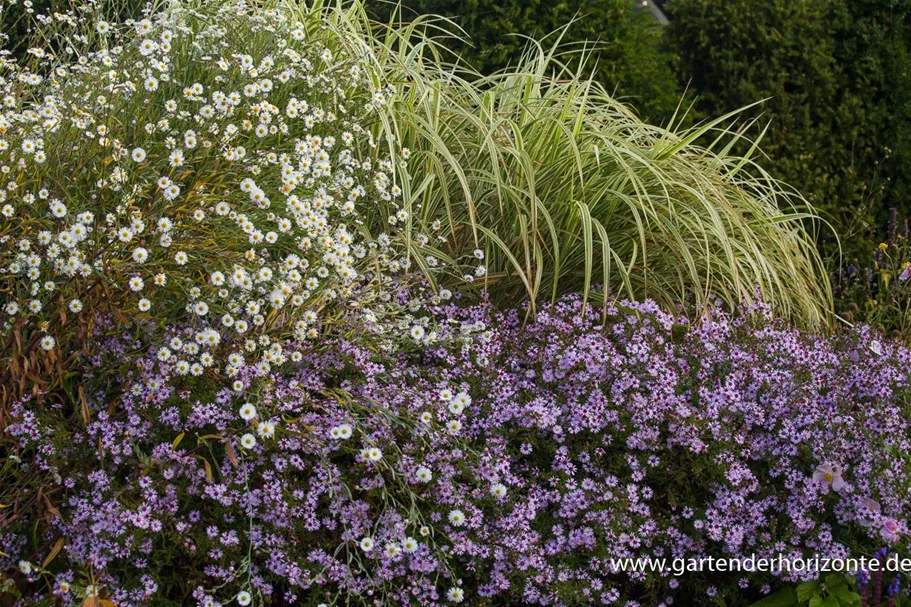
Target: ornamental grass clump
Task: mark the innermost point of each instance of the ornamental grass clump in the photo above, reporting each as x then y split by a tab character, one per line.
567	190
506	463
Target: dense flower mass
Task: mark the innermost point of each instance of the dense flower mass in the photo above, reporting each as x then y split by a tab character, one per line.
507	460
154	169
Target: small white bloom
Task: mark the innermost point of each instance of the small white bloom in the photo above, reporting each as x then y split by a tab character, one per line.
392	550
248	441
463	399
367	544
265	429
457	518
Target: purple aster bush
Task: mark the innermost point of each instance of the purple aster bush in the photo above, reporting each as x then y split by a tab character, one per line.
465	456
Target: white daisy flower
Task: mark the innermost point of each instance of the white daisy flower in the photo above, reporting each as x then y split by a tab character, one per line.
392	550
265	429
410	545
248	441
457	518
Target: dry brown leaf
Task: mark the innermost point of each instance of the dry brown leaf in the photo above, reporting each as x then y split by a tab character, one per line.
232	456
51	508
84	407
54	552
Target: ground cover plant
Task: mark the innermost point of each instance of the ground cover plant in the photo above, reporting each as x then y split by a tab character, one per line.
503	462
295	311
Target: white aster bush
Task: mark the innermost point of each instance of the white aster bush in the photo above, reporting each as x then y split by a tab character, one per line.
204	166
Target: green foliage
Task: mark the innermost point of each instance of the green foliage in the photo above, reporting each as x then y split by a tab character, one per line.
19	18
878	290
830	590
631	61
836	79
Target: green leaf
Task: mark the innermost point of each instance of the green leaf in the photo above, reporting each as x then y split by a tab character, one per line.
835	581
786	597
847	598
807	590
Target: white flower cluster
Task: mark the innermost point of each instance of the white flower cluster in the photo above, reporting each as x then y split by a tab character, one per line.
162	173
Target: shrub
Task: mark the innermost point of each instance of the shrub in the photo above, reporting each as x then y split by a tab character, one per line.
504	463
835	79
152	178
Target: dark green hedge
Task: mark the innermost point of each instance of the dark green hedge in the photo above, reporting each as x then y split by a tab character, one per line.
836	73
